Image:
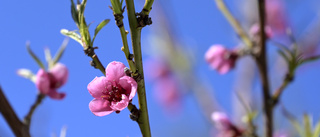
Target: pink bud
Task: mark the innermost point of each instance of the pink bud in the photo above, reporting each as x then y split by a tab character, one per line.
220	58
49	82
255	30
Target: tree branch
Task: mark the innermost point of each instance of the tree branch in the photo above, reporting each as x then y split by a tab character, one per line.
17	127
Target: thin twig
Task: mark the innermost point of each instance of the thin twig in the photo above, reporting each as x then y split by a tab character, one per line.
117	11
234	23
27	118
17	127
278	92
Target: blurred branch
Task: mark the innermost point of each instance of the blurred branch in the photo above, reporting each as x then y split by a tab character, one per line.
27	118
279	91
234	23
17	127
261	61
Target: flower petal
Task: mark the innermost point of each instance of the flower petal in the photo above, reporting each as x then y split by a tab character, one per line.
56	95
213	52
43	81
100	107
60	73
97	86
130	85
120	105
115	70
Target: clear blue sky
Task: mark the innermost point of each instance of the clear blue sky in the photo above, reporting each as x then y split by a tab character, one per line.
197	23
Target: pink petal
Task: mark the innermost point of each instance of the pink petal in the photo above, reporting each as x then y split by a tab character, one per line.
214	51
225	67
100	107
130	85
97	86
43	81
115	70
118	106
167	93
60	73
221	120
55	95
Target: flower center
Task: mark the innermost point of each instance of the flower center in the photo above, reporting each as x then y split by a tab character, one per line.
53	82
114	92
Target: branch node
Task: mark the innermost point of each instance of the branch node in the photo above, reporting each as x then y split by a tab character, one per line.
143	20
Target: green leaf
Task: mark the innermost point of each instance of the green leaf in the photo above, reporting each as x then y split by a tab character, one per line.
26	73
75	36
293	122
316	132
60	52
307	126
284	56
74	13
35	57
47	55
98	28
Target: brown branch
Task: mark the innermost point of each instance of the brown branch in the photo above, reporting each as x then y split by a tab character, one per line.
262	66
27	118
17	127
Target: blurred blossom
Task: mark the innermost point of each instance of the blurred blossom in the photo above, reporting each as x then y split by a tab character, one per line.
157	68
166	88
280	134
220	58
224	126
111	92
167	94
255	30
49	82
276	16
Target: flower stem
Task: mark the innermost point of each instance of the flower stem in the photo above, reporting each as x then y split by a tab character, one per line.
17	127
27	118
262	66
143	119
234	23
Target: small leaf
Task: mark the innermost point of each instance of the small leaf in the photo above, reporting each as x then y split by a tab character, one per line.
316	132
74	13
293	121
98	28
284	56
26	73
75	36
60	52
307	126
47	55
35	57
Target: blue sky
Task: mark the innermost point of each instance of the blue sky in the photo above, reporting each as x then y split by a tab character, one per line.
197	24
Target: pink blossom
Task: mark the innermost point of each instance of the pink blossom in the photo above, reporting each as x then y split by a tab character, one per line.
112	92
224	126
280	134
220	58
49	82
276	16
157	68
167	93
255	30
